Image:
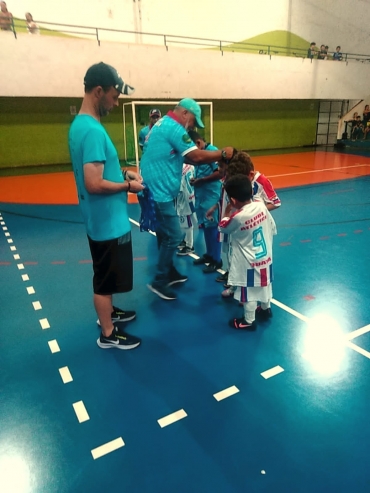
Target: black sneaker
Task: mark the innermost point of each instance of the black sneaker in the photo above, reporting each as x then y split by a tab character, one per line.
223	278
182	244
212	267
263	314
185	250
205	259
164	292
242	324
118	340
176	277
119	315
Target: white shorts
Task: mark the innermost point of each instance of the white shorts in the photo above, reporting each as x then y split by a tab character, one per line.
244	294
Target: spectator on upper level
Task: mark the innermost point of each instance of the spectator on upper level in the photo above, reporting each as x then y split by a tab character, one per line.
312	50
358	129
366	115
323	54
32	27
6	18
337	55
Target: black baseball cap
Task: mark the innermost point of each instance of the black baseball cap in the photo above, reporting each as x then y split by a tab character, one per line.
102	74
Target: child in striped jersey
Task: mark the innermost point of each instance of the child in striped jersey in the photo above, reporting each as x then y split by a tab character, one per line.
185	207
252	228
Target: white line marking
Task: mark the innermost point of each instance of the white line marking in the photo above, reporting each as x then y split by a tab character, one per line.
16	256
358	332
25	277
2	223
138	224
107	448
65	374
319	170
12	248
10	241
290	310
36	305
30	290
5	228
54	346
172	418
358	349
223	394
20	266
7	234
272	372
44	323
80	411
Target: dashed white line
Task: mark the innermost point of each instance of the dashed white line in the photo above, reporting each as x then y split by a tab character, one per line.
80	411
44	323
16	256
2	223
54	346
223	394
5	228
37	305
30	290
65	374
272	372
9	240
7	234
107	448
20	266
25	277
172	418
13	248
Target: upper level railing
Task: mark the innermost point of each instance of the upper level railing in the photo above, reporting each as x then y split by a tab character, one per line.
168	40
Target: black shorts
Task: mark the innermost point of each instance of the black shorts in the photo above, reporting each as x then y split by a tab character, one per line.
112	264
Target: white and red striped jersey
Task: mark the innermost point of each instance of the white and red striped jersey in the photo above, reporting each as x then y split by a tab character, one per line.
252	229
185	203
263	190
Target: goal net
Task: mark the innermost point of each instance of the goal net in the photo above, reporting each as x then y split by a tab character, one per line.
136	116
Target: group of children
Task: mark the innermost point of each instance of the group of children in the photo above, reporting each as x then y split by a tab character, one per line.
232	203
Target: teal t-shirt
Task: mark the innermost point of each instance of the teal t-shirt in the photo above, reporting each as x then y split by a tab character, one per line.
105	215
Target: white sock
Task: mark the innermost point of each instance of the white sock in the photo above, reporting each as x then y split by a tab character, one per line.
265	306
250	311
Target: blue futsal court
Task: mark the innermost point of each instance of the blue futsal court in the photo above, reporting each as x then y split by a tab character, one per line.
198	407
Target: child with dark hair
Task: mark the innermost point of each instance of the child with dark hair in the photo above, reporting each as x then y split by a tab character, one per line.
252	228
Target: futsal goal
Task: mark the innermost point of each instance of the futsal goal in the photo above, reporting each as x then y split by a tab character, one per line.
136	116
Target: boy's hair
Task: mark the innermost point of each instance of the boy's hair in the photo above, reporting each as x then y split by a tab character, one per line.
194	135
239	187
240	164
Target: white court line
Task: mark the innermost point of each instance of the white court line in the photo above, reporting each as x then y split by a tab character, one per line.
223	394
54	346
44	323
13	248
2	223
16	256
107	448
172	418
5	228
290	310
37	305
9	240
20	266
80	411
358	332
25	277
65	374
7	234
30	290
272	372
358	349
319	170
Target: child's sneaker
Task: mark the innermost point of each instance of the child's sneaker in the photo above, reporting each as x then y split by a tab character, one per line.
242	324
227	293
182	245
223	278
185	250
119	315
119	340
263	314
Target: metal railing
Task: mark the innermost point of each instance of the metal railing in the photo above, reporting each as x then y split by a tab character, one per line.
171	39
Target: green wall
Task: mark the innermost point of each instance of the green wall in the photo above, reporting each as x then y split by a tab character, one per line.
33	131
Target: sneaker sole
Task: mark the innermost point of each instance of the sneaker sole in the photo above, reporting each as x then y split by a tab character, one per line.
177	281
180	254
115	320
161	295
102	345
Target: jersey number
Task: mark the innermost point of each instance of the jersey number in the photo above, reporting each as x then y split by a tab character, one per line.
259	242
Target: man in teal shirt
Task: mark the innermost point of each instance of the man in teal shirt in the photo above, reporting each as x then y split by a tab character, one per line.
102	193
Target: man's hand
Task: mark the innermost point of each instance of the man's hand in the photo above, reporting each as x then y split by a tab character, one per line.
135	186
229	151
131	175
210	212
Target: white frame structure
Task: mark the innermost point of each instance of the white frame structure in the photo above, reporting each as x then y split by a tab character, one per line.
155	104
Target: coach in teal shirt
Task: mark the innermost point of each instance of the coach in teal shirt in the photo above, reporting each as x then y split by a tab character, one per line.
166	148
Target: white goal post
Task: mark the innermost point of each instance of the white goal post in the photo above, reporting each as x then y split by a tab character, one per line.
136	116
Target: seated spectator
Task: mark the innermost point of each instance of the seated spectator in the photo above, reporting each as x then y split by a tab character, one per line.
312	50
6	18
322	55
32	27
358	130
366	115
337	55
